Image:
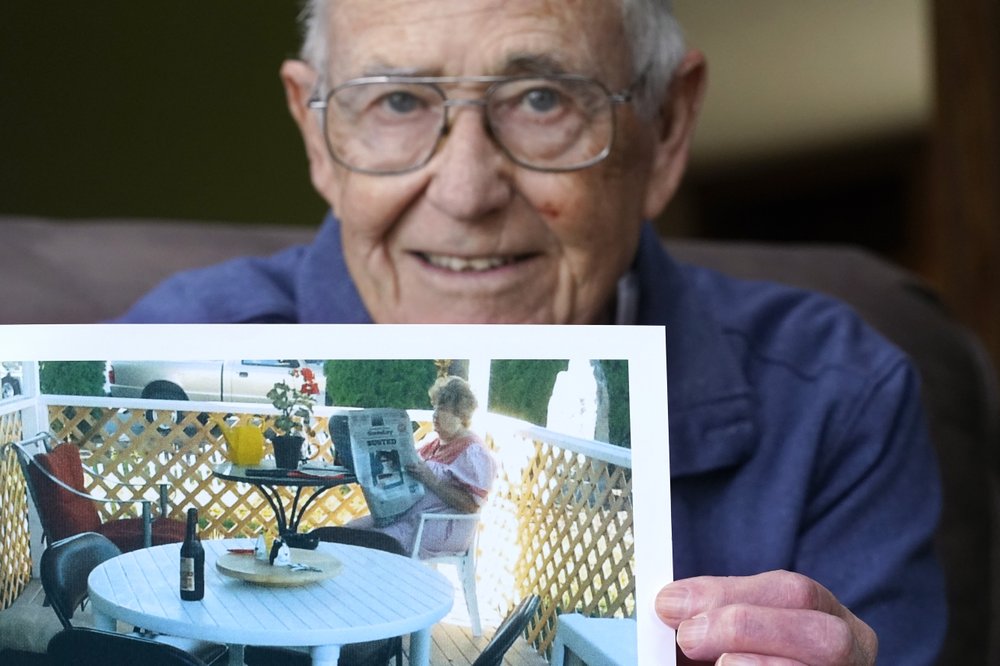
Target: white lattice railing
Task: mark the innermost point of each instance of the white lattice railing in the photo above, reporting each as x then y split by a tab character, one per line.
15	563
147	441
558	523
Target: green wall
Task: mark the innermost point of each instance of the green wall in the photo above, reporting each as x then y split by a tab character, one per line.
150	108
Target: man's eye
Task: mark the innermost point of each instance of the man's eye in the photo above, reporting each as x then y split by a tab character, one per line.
542	100
401	102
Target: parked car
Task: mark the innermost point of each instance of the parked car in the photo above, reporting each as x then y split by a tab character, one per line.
10	382
227	381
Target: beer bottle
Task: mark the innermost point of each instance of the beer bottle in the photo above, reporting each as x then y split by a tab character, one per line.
192	561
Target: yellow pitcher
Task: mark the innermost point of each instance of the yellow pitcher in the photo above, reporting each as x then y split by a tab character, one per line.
246	444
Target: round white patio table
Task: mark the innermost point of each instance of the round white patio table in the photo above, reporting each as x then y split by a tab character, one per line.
375	595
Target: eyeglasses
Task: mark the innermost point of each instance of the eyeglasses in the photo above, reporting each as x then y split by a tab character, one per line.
391	125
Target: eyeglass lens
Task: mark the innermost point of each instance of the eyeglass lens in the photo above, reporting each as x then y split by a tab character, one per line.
549	124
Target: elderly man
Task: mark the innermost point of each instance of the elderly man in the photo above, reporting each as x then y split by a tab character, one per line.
495	161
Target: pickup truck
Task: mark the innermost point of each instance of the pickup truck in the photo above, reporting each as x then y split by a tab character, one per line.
10	382
226	381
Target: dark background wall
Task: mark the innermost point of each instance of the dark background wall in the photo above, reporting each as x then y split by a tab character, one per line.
150	108
174	109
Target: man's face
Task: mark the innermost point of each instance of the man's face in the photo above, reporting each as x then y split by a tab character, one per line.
471	236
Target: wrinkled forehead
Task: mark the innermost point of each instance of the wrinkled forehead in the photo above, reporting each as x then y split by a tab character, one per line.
477	37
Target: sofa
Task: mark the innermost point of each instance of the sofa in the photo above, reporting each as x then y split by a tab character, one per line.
85	271
68	271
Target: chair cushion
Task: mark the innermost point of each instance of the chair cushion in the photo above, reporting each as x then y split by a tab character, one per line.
126	533
62	513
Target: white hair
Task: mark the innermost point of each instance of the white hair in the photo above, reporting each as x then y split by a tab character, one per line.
657	44
656	39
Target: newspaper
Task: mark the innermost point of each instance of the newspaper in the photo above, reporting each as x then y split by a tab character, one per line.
381	448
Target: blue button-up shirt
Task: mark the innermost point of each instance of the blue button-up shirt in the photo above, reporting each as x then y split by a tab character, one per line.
797	437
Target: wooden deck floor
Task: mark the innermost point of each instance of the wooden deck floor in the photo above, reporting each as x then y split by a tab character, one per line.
452	641
28	624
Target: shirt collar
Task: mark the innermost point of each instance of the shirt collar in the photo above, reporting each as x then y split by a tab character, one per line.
326	293
627	303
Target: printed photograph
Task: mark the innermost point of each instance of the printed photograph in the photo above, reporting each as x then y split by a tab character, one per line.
502	485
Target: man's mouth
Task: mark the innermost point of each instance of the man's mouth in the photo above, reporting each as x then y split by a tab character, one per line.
467	264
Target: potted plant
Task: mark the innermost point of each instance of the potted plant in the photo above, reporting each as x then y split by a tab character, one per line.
296	406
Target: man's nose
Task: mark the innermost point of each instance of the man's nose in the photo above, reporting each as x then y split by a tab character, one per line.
471	176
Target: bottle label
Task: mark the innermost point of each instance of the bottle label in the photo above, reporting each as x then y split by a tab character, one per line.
187	574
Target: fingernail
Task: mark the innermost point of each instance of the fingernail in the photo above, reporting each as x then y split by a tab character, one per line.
674	603
692	632
736	660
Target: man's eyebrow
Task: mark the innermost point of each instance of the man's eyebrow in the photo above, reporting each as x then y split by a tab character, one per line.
535	64
517	64
397	71
381	69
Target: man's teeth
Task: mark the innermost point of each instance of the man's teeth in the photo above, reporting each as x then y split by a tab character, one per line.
459	264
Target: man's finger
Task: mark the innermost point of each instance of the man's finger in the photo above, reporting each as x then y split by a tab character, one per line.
776	589
805	636
775	613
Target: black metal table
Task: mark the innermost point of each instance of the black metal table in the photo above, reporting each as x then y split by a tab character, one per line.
268	479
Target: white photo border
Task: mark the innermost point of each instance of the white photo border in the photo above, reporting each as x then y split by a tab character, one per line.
642	347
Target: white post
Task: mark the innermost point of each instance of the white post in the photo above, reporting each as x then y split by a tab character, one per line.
34	419
479	381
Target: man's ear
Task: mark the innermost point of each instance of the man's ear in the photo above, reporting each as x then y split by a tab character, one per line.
675	125
299	80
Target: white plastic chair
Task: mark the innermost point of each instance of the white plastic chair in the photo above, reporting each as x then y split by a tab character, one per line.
595	641
465	561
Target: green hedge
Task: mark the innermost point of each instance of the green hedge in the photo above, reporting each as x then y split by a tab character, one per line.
522	388
72	378
379	383
619	417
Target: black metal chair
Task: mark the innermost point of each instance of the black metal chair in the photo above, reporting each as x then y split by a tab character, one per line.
354	654
65	567
92	647
55	473
364	538
513	626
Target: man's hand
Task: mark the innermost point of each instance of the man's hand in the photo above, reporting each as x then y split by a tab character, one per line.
771	619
